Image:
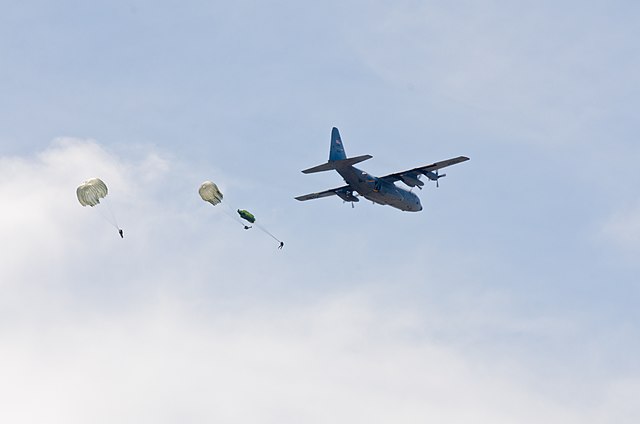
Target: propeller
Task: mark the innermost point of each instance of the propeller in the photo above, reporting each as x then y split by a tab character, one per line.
435	176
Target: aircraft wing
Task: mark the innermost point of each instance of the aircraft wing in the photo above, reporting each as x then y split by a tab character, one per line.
344	192
410	176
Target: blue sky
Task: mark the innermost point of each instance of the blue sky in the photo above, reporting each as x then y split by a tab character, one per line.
510	298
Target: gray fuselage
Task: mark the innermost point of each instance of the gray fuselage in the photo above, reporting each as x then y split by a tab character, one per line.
379	191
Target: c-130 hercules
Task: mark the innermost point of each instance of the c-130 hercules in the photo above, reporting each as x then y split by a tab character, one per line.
381	190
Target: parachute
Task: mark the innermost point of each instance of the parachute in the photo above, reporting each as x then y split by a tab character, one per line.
210	192
91	191
89	194
246	215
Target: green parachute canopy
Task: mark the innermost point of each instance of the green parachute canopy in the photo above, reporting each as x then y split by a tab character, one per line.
91	191
246	215
210	192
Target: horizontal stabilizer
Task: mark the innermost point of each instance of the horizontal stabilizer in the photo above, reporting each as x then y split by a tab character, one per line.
336	164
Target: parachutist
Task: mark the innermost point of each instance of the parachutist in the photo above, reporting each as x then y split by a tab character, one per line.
209	192
121	232
281	245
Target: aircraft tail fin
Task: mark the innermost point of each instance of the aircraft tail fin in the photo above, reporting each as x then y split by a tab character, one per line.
337	164
337	156
336	152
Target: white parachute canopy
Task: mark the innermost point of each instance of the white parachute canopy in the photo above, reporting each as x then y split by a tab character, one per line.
91	191
89	194
210	192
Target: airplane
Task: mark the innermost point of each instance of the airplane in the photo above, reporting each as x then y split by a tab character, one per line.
381	190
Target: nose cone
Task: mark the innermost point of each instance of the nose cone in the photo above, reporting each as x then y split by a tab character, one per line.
412	204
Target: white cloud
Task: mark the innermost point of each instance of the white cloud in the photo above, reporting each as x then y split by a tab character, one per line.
183	321
171	361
